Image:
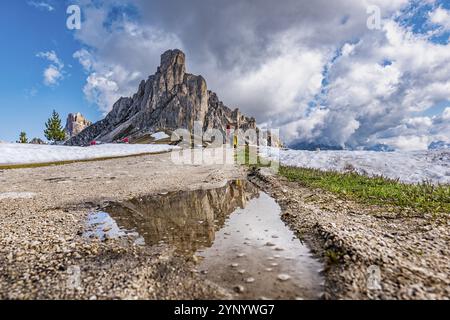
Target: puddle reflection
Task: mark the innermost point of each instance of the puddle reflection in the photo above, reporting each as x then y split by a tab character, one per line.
235	231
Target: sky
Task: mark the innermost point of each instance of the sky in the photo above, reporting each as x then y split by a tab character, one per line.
323	72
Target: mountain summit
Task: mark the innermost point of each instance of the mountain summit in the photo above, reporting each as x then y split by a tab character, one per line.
170	99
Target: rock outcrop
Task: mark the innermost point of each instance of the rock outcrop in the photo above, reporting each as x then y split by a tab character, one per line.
37	141
75	124
168	100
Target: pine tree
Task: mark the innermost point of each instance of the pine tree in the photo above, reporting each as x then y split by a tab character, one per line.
54	130
23	137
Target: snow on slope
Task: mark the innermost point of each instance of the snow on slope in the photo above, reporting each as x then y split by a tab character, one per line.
408	167
160	136
12	153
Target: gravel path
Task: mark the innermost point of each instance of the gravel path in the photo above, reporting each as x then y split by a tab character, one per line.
371	252
42	217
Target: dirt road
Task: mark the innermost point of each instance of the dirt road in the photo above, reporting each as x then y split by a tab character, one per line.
43	213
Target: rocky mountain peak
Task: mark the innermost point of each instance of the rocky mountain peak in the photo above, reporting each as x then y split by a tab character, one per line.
173	59
168	100
76	123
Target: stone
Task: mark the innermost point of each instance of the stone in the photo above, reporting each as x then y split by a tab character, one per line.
250	280
283	277
239	289
170	99
37	141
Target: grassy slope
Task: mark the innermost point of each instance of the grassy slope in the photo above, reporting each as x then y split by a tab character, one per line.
424	198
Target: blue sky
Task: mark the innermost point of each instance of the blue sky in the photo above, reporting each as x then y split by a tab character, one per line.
312	69
26	102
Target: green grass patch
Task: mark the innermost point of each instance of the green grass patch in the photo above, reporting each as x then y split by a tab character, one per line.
333	256
248	156
423	198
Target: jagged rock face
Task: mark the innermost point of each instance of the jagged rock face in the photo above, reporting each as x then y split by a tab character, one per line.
170	99
75	124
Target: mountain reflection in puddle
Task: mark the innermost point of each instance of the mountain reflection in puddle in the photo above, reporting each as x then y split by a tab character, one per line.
186	220
235	231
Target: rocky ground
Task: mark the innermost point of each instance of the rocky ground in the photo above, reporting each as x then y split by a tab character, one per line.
43	214
370	252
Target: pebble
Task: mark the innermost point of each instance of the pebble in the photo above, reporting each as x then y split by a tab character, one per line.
239	289
283	277
250	280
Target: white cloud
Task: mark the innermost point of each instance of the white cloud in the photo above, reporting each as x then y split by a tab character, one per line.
52	76
41	5
279	64
441	17
84	58
52	57
446	114
124	54
54	73
389	77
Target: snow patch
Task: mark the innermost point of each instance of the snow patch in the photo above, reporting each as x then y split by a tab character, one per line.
14	153
160	136
408	167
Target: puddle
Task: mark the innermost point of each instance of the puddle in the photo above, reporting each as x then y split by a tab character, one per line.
257	254
235	231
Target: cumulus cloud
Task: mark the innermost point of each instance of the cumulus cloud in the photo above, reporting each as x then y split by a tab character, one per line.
446	114
125	53
390	76
312	69
441	17
54	73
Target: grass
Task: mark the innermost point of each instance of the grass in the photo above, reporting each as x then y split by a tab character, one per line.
423	198
248	156
333	256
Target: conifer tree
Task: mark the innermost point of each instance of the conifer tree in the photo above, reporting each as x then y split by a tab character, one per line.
54	130
23	137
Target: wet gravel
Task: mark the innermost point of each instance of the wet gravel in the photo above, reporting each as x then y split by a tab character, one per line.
43	212
370	252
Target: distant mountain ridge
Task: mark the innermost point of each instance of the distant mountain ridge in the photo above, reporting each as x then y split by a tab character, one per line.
439	145
170	99
324	147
